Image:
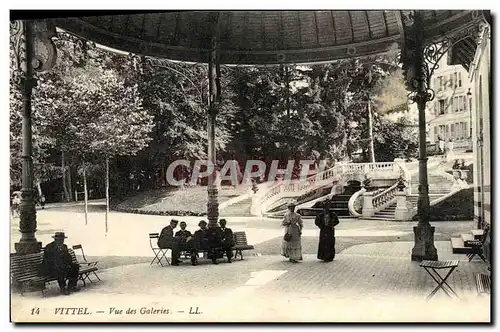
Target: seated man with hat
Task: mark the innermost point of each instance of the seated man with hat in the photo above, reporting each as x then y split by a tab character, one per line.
227	239
57	263
183	241
200	241
166	239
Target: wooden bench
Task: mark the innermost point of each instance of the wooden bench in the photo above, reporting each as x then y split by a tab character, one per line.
241	244
483	283
24	271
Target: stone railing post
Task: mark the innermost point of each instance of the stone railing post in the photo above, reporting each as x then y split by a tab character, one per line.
255	209
368	210
401	212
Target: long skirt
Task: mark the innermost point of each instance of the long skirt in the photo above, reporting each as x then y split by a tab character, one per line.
292	249
326	247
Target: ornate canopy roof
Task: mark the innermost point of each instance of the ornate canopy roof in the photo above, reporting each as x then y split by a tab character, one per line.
260	37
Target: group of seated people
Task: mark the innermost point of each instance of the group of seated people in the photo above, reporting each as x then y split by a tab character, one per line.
214	240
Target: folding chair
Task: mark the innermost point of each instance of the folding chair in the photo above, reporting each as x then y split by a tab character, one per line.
91	265
160	254
477	246
431	267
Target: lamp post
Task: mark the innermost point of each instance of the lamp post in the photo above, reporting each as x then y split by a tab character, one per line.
417	74
469	95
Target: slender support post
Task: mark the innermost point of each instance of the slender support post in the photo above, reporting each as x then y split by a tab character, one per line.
213	204
27	224
86	197
107	197
418	77
370	129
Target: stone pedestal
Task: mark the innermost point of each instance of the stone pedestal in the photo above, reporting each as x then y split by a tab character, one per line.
29	247
368	210
401	212
424	248
255	209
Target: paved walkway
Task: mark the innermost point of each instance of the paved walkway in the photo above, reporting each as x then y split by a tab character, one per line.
366	282
369	282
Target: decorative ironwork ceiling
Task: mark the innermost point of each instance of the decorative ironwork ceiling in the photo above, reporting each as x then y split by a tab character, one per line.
260	37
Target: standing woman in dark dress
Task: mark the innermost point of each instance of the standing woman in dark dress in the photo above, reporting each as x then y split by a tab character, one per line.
326	221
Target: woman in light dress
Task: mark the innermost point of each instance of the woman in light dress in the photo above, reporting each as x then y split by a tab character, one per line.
292	222
450	154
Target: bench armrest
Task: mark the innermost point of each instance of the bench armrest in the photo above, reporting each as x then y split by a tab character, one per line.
94	263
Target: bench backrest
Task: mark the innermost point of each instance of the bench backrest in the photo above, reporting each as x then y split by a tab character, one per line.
240	238
23	266
154	236
73	256
80	247
485	234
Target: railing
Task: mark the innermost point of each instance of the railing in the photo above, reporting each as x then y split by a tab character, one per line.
297	187
271	194
463	144
355	203
385	198
365	167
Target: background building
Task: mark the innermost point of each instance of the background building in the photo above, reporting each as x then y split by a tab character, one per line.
449	113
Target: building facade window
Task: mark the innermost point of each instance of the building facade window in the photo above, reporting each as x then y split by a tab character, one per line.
441	106
459	80
455	80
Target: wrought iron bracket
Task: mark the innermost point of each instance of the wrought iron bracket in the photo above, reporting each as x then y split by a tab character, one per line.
426	54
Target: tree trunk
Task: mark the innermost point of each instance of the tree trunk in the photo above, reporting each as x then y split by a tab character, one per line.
107	194
39	188
70	184
85	203
370	130
63	166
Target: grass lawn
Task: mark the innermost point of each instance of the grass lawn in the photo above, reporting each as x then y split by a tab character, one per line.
173	201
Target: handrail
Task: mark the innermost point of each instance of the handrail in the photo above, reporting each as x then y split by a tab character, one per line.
352	201
319	179
380	200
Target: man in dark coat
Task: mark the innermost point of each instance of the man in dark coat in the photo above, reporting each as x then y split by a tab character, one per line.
215	237
183	241
326	222
227	239
166	239
57	263
200	241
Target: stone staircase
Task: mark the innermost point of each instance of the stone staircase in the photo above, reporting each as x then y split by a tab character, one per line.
387	213
459	244
239	209
438	186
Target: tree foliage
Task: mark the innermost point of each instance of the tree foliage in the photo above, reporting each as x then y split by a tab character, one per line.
97	104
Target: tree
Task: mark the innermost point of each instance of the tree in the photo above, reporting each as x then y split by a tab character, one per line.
111	120
395	140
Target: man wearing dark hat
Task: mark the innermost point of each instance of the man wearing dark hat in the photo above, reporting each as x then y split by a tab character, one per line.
183	241
199	241
215	243
166	239
57	263
227	239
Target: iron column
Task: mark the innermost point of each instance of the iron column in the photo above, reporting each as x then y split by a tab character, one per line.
27	224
